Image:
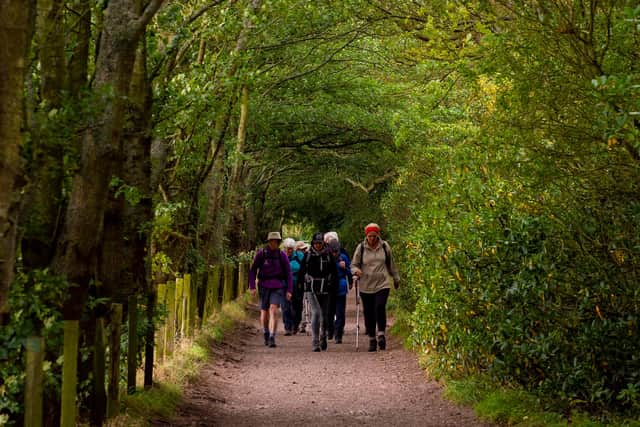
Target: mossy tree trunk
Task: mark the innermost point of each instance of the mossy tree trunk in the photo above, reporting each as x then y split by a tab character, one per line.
15	35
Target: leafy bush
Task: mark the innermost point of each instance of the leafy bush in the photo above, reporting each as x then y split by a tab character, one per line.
35	300
534	287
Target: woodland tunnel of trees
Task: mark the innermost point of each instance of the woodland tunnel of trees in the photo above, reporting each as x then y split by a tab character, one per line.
497	142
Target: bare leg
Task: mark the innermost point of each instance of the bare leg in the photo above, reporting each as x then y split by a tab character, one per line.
264	319
273	318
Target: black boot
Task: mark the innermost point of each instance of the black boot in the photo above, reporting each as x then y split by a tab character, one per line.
372	344
382	342
266	338
323	343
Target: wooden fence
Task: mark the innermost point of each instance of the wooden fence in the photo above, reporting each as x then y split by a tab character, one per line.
186	303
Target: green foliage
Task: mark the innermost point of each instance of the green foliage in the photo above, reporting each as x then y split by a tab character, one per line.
163	399
518	214
34	313
131	194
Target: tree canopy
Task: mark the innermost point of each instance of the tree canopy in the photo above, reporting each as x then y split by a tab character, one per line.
496	142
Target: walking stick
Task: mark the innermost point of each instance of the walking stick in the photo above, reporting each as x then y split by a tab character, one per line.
355	280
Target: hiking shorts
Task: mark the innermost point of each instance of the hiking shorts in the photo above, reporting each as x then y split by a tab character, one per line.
270	296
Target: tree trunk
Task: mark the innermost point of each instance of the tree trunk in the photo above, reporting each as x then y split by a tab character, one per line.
14	39
43	196
234	218
234	208
79	40
76	254
50	39
137	174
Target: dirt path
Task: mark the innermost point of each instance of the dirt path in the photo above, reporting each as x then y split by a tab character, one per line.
248	384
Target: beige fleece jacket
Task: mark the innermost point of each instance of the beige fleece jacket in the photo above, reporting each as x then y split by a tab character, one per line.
373	268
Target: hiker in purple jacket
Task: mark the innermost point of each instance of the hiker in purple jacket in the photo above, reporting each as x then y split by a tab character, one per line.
271	267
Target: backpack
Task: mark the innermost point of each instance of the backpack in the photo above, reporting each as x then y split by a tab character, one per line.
283	269
387	258
318	285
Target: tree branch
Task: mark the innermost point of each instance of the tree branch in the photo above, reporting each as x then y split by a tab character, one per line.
368	189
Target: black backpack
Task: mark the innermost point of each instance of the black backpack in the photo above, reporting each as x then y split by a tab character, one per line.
387	258
318	285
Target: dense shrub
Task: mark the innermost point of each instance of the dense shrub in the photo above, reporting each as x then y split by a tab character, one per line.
538	287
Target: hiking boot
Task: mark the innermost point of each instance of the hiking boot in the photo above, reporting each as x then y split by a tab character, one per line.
323	343
372	344
382	342
272	341
266	338
287	333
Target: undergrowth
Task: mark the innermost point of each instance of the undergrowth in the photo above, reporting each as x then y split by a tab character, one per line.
174	374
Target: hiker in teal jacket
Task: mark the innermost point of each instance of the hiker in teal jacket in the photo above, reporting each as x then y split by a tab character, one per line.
289	308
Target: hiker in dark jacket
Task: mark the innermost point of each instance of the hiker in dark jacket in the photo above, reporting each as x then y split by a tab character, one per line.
300	304
275	283
339	305
319	275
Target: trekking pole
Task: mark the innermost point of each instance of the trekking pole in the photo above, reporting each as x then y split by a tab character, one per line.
355	280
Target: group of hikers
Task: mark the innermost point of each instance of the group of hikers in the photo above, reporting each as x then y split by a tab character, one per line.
319	277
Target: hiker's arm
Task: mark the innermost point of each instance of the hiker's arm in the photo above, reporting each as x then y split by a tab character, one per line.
334	276
303	271
253	271
356	260
393	269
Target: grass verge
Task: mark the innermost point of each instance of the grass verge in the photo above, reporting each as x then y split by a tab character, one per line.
512	406
509	405
161	401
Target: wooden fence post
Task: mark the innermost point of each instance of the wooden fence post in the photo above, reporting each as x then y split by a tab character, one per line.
170	326
150	336
132	349
180	306
211	301
227	293
113	401
99	394
33	386
243	279
193	303
69	373
160	340
187	304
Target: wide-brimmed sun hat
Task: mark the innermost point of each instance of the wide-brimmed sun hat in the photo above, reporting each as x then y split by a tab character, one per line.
274	235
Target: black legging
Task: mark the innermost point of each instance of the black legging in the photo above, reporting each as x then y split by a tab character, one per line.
374	307
296	301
